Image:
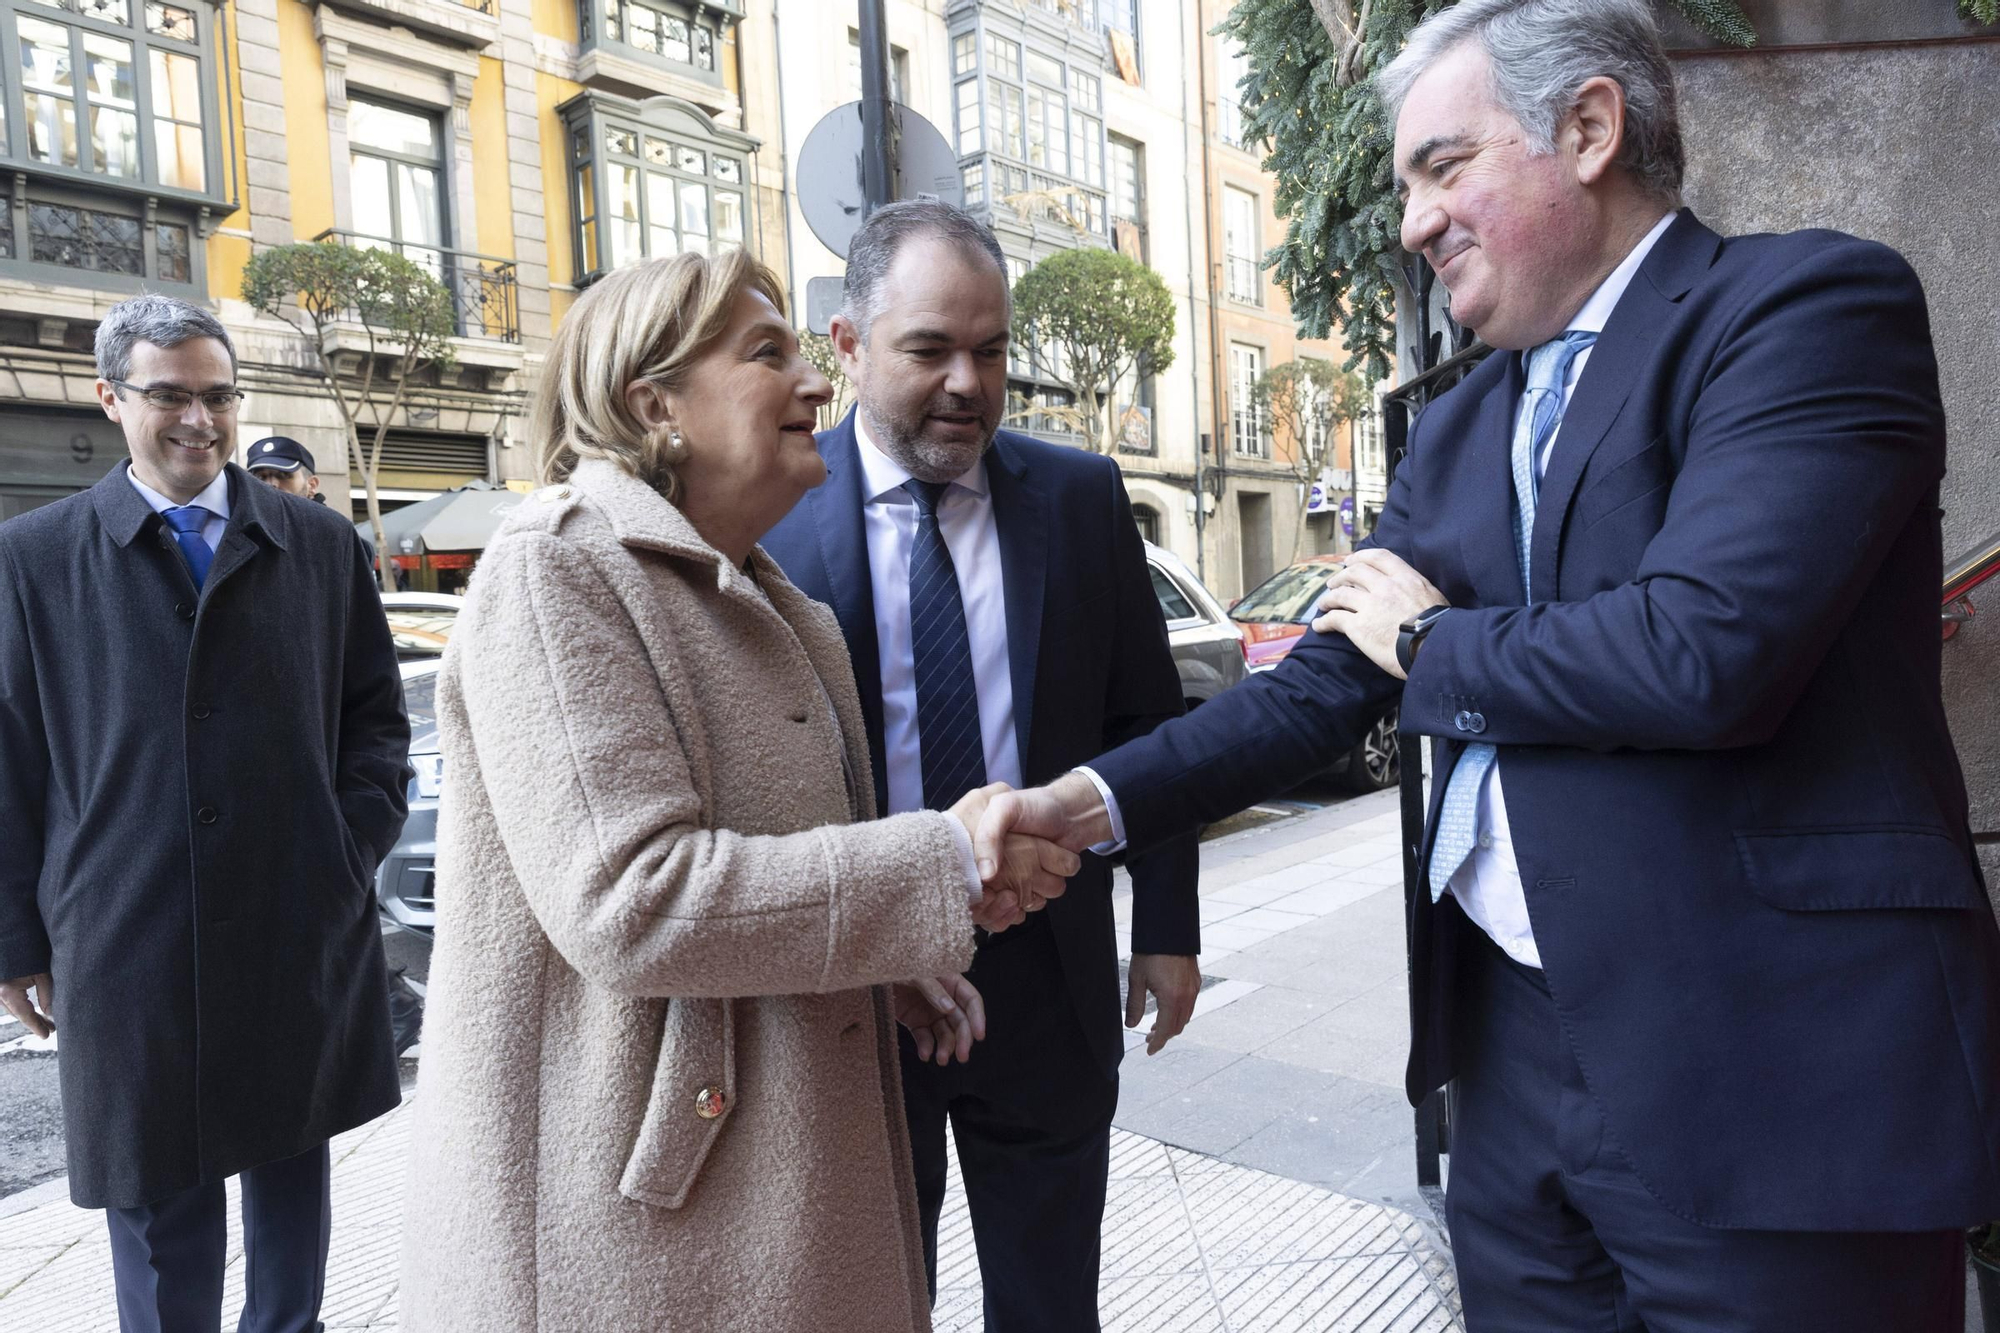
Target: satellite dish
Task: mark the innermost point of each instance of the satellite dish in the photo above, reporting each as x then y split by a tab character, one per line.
923	166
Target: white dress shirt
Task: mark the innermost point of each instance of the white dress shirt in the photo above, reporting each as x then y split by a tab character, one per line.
965	520
1488	885
214	498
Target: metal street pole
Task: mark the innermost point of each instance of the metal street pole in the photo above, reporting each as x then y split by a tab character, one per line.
878	159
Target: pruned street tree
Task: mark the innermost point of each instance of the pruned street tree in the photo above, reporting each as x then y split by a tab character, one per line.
1308	399
1090	318
359	310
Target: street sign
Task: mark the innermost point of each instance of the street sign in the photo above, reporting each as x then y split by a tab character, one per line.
831	192
823	303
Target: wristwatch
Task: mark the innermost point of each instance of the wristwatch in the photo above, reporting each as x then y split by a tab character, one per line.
1410	635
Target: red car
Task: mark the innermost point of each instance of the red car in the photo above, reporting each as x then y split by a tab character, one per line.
1272	616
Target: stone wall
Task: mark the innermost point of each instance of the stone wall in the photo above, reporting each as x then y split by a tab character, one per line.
1900	143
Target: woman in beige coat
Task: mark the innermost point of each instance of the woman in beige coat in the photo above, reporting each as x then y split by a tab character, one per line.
660	1086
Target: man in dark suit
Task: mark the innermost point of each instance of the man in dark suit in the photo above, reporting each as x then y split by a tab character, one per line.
186	880
995	598
1713	973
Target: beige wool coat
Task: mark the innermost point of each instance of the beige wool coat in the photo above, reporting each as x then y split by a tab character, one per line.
653	889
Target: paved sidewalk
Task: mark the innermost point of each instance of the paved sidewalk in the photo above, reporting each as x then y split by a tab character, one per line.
1262	1174
1294	1063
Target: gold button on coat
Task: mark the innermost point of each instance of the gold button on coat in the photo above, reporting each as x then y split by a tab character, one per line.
708	1103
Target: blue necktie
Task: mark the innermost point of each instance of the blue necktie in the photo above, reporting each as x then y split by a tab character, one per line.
1535	420
187	523
954	757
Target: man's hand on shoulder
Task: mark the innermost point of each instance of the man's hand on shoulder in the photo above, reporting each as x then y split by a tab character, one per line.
1368	601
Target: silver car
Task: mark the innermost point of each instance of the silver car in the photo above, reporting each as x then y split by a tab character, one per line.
1207	646
403	883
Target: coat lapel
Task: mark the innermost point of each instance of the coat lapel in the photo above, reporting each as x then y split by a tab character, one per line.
1486	539
1021	514
1683	252
256	515
835	507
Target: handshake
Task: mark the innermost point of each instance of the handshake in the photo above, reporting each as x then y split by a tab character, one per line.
1026	843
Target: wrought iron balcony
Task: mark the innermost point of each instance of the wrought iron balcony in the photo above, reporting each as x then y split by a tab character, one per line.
484	292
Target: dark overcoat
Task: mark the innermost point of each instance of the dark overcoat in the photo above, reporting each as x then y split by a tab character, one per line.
195	790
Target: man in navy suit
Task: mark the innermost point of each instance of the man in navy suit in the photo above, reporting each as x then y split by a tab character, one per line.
1703	947
1003	626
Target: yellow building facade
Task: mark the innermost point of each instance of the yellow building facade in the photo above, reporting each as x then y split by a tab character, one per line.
518	148
514	148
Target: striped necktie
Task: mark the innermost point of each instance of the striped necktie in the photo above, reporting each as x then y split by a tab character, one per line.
948	734
1535	421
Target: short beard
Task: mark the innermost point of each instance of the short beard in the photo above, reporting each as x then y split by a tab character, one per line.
904	441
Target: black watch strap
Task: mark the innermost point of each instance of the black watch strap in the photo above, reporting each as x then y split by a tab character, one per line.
1410	635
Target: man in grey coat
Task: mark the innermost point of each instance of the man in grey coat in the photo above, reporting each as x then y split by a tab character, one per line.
216	972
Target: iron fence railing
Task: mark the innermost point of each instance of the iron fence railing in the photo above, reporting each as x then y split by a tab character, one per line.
484	290
1964	574
1443	353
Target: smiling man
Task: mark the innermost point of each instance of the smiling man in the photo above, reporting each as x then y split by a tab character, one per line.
214	974
1702	949
996	604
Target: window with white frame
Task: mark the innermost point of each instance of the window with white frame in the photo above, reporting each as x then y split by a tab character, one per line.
1369	456
396	173
105	106
899	70
1248	436
1242	249
682	36
1041	115
1231	65
1314	429
1116	17
1128	188
652	179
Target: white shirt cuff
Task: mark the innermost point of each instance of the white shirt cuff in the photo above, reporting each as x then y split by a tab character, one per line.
1117	842
974	890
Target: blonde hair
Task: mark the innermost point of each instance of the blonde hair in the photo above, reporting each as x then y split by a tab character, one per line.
647	321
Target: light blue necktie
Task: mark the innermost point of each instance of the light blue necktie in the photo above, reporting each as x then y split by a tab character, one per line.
187	522
1535	420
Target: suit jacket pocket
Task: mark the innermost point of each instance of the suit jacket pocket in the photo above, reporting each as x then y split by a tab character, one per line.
1868	866
697	1061
1627	480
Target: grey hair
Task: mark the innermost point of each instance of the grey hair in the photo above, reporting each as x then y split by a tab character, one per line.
1541	52
163	321
881	238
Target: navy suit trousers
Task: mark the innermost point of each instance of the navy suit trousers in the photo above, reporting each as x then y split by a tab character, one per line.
167	1256
1030	1114
1551	1228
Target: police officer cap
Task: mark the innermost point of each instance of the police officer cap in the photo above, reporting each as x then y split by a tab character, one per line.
280	454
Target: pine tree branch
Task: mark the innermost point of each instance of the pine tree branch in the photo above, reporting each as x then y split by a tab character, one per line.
1720	19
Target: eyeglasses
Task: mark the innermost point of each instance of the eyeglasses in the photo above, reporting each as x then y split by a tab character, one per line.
219	402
